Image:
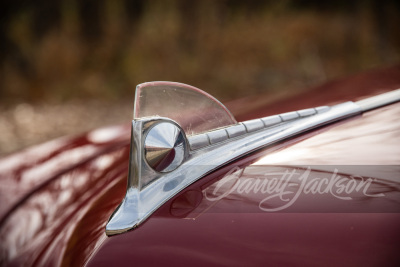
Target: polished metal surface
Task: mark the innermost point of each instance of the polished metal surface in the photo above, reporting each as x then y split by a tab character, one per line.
164	141
379	100
164	147
289	116
272	120
235	131
143	194
217	136
253	125
306	112
239	130
198	141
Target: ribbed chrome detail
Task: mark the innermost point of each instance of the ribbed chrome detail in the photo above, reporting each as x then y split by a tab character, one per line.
247	127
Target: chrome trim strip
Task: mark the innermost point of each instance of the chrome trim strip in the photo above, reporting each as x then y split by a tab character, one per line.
236	130
289	116
199	141
253	125
307	112
148	190
321	109
271	120
202	140
217	136
379	100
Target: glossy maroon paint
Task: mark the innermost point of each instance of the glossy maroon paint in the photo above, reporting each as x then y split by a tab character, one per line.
47	190
316	230
25	172
57	197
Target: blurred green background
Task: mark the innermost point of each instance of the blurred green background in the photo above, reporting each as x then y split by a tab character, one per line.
59	57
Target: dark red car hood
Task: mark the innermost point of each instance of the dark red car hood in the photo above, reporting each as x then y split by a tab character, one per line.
317	229
57	197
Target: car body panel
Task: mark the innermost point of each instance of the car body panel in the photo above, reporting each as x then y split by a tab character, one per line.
315	230
47	186
56	213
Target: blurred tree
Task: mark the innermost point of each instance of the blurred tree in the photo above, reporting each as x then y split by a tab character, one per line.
134	10
67	45
46	16
90	16
188	24
9	50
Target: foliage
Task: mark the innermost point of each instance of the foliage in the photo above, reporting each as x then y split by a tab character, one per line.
56	50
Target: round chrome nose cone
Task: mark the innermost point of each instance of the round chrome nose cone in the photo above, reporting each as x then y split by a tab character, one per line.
164	147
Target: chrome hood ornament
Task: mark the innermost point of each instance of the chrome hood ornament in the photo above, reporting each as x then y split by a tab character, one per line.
180	134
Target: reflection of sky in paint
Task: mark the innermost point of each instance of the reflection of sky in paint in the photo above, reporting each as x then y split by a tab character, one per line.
49	216
22	172
373	139
108	134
